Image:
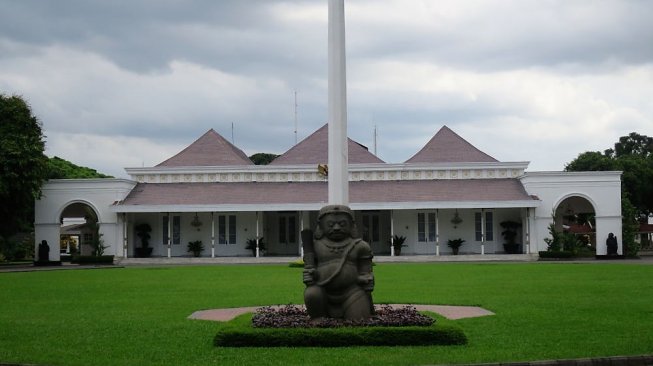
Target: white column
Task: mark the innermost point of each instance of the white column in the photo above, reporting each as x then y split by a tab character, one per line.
337	118
482	231
257	249
528	230
169	233
124	235
392	233
437	233
301	228
212	235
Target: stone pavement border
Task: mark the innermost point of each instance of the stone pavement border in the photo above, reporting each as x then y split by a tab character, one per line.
642	360
448	311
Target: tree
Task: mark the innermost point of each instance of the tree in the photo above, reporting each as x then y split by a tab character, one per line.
262	158
59	168
591	161
632	145
632	154
23	166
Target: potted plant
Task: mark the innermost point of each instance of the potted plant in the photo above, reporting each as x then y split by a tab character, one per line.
143	232
251	245
397	242
196	247
455	244
509	233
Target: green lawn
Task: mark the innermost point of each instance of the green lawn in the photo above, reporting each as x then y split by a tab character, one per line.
137	316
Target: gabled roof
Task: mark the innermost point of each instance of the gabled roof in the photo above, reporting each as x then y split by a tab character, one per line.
315	150
447	147
211	149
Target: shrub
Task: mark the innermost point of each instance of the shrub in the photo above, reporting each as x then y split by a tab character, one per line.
13	250
559	254
292	316
239	333
299	263
92	259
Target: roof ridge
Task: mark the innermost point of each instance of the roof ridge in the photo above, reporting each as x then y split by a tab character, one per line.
315	147
447	146
196	153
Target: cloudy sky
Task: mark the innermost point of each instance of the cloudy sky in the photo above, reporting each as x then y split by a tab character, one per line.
128	83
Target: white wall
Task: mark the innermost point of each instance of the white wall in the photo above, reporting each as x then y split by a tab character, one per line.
405	224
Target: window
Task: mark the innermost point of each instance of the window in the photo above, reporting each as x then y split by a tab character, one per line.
489	226
227	229
88	239
371	228
176	230
426	227
287	229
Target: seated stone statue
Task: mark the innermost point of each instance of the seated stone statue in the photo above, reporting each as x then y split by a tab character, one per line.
337	268
44	252
612	244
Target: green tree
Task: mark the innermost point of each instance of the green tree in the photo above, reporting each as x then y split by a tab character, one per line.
262	158
632	145
59	168
632	154
23	166
591	161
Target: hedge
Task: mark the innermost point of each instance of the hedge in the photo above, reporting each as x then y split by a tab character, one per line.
92	259
559	255
244	335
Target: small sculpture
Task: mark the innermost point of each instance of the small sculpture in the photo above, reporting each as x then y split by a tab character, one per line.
611	243
44	252
337	268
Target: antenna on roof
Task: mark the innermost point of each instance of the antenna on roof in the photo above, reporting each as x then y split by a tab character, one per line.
376	134
295	117
232	134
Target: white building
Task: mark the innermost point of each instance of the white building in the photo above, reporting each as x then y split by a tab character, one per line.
212	192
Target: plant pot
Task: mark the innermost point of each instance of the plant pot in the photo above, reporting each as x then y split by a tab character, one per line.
397	251
455	251
143	252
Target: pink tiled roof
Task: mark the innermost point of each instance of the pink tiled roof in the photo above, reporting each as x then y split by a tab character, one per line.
447	147
211	149
264	193
315	150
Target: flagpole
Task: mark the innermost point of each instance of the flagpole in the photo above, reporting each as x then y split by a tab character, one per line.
337	119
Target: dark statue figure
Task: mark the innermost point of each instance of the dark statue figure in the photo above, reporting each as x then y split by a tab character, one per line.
611	243
44	252
337	268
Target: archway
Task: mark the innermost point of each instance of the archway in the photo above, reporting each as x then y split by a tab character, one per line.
79	229
575	214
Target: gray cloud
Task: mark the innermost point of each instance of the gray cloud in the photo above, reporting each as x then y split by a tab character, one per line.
516	78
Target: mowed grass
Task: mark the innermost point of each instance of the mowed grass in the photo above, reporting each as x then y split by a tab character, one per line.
138	316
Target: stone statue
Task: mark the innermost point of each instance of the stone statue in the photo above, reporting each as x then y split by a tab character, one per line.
337	268
611	243
44	252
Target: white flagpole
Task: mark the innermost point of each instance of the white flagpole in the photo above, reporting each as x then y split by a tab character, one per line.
337	119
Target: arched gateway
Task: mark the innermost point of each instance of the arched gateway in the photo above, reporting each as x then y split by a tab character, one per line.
69	209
